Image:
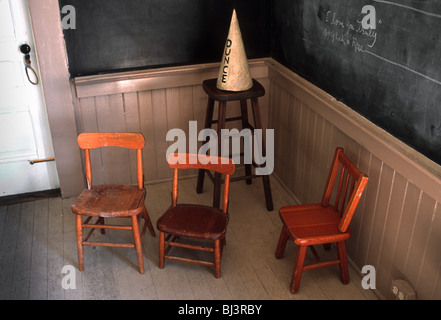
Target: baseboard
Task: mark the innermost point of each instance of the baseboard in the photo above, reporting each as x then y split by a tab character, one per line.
30	196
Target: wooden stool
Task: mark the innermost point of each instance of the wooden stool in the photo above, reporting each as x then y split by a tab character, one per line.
214	94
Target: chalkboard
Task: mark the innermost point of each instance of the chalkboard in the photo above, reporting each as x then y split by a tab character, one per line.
381	58
118	35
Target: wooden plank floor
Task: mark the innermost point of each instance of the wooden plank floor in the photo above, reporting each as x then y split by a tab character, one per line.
37	238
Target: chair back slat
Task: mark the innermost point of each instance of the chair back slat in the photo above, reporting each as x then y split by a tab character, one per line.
221	165
93	140
352	203
339	188
348	183
342	195
200	161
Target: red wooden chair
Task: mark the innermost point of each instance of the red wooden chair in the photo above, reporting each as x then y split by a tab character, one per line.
324	223
195	221
111	201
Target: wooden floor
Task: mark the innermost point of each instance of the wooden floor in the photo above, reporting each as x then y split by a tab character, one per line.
37	238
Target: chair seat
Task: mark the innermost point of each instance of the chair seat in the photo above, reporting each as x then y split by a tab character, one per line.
195	221
313	224
324	223
110	201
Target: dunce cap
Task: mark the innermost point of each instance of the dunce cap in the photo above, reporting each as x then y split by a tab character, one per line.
234	73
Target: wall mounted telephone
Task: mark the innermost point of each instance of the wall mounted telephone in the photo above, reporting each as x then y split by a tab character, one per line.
26	49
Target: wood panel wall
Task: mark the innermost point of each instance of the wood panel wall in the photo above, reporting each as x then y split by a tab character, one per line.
151	102
397	227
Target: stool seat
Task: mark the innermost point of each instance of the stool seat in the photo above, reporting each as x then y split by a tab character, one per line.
209	86
222	97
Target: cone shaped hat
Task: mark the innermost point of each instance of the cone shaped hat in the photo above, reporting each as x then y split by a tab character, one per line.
234	73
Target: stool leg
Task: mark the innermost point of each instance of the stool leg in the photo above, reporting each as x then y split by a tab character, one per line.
207	125
245	124
265	178
268	196
218	176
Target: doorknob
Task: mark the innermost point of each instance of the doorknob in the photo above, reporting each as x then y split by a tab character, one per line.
26	49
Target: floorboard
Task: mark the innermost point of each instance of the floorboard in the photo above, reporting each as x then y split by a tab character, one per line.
37	239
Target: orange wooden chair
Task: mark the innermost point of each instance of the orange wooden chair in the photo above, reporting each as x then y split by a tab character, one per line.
195	221
111	201
324	223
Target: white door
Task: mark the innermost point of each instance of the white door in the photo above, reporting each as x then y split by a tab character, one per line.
24	127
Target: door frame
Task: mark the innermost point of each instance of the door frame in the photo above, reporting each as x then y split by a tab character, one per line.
51	55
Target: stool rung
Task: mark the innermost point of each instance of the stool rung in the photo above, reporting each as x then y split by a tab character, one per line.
233	179
247	126
252	176
228	119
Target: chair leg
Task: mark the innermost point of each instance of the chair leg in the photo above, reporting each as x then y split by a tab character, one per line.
147	223
298	268
101	222
217	258
138	246
79	230
344	273
283	239
161	249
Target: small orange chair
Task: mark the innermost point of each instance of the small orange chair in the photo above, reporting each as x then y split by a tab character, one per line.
111	201
324	223
195	221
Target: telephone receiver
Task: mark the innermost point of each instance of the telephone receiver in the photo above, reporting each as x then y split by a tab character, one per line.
26	49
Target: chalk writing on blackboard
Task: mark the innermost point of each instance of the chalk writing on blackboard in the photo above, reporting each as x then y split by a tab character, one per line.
348	31
352	32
